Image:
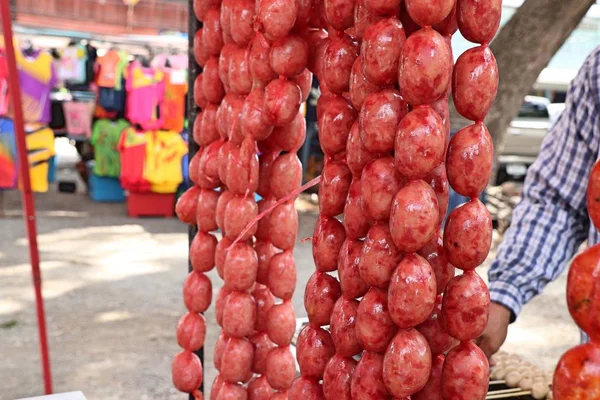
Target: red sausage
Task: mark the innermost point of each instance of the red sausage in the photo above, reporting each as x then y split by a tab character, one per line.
191	331
468	235
241	266
438	181
466	373
343	327
211	83
379	257
337	377
277	17
449	25
582	290
407	363
593	195
304	82
197	292
305	8
254	121
224	63
281	276
262	232
266	160
357	155
314	348
577	376
226	11
186	370
355	221
414	216
239	72
328	237
425	67
379	117
208	132
262	347
364	17
320	296
283	226
380	51
469	160
232	391
282	100
305	389
335	117
199	98
202	251
351	283
220	303
200	53
264	302
333	189
289	56
466	306
360	87
337	63
286	175
236	360
339	13
382	7
434	330
475	83
212	37
216	387
186	205
259	389
379	184
202	6
291	137
420	143
281	368
433	387
222	202
239	314
242	18
240	211
218	351
258	61
428	12
412	292
281	323
478	21
435	255
374	325
367	379
265	250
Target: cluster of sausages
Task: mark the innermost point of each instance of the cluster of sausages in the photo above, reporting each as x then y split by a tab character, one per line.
577	375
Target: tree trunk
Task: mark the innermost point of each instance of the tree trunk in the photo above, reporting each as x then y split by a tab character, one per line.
523	48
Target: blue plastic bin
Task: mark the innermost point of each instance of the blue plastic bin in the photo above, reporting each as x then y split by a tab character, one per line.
105	190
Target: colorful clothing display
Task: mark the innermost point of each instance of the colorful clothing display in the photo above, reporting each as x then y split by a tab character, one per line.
105	139
110	69
37	77
164	151
132	147
8	155
173	108
4	95
72	66
145	94
40	149
174	61
78	117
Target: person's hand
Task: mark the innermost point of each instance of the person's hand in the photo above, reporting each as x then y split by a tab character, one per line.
495	333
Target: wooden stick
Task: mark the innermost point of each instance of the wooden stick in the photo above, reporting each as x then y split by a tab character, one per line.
501	394
501	382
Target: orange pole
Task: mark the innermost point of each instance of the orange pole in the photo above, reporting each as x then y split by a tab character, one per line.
15	93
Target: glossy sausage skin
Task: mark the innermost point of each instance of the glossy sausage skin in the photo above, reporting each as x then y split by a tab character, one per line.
466	306
240	211
429	12
355	221
277	17
582	291
380	51
306	389
333	188
469	160
282	100
475	83
343	327
202	252
283	226
197	292
337	377
314	348
241	266
465	375
577	375
338	59
191	331
367	379
435	255
433	387
438	181
239	314
407	363
420	143
468	235
186	370
364	17
335	117
281	323
412	291
262	347
425	68
320	296
328	237
289	56
593	195
286	175
374	325
414	216
236	361
434	330
264	302
379	257
379	117
478	21
339	13
360	87
281	277
351	283
281	369
259	389
379	184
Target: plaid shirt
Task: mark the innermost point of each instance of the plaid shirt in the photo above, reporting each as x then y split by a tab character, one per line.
552	221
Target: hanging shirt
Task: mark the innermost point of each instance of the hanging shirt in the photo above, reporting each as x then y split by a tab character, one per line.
72	67
8	155
39	139
132	147
78	117
176	61
145	94
37	77
90	62
164	151
105	139
173	108
110	69
4	95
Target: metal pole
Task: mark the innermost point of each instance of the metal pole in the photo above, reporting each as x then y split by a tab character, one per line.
15	93
193	71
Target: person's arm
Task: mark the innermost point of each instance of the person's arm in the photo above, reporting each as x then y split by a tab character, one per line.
551	221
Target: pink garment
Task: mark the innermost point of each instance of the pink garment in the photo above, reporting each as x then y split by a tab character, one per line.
145	94
176	61
78	118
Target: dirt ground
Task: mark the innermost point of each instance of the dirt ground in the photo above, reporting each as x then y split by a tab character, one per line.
113	297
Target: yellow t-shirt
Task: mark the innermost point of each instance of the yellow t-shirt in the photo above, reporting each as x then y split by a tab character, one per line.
40	147
164	152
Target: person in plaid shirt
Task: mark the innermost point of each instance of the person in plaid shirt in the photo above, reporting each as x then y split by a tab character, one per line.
551	222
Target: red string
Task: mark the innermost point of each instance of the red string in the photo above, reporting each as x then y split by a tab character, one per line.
260	216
